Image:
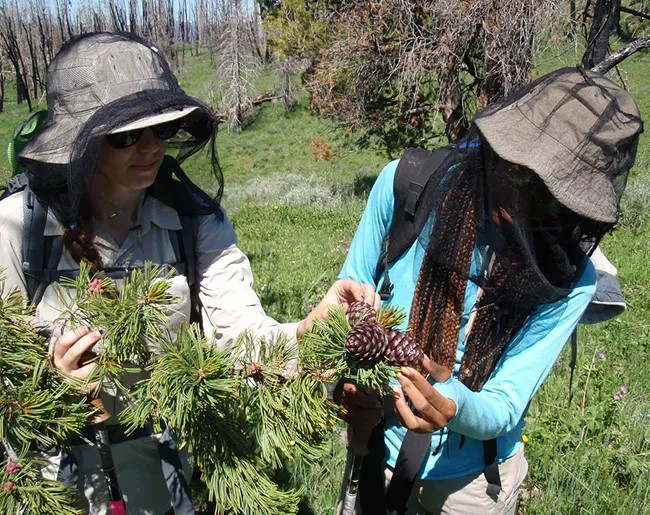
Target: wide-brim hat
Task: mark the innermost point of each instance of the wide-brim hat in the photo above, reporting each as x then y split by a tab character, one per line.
577	130
104	83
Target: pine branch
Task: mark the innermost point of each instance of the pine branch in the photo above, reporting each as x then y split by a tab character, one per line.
256	493
37	404
288	413
24	490
243	414
323	355
131	319
190	380
390	316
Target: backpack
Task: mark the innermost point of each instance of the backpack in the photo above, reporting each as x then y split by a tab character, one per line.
21	136
413	172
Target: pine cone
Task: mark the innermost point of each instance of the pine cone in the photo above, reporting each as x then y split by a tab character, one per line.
402	350
366	342
361	312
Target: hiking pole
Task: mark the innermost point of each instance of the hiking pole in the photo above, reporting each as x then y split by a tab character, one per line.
357	450
116	500
352	485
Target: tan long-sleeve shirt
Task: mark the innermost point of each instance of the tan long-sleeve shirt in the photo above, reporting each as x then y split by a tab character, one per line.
229	307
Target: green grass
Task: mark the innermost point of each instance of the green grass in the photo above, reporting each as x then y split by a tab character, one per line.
295	216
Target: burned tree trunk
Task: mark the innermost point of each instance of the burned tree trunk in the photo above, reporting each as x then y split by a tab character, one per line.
9	37
133	16
2	82
598	37
37	83
234	67
618	56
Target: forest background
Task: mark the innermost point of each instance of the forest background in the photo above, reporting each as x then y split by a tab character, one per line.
315	96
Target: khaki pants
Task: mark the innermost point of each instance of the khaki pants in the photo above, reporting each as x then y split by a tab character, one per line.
467	495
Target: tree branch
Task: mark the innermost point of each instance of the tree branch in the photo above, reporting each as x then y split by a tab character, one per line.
618	56
634	12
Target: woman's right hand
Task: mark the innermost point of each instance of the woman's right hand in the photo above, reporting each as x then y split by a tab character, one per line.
362	409
73	349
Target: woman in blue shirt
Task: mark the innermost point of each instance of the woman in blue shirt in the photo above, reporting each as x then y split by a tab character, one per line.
496	282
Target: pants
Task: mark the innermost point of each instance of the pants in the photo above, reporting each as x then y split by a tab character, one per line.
466	495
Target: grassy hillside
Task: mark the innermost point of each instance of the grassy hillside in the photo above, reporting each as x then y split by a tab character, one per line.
295	189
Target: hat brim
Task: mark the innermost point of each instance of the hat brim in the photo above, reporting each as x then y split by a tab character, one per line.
156	119
517	140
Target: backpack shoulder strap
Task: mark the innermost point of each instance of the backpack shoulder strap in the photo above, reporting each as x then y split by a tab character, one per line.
414	169
39	253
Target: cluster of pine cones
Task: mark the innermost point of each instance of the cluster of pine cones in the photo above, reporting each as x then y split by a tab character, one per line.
369	341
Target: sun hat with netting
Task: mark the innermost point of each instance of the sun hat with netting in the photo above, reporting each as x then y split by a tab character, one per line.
103	83
577	130
533	187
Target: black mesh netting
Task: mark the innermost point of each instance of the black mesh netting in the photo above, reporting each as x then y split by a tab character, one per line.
531	250
99	82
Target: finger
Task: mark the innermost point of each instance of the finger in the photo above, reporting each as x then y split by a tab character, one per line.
84	372
377	301
70	359
66	340
432	395
349	291
431	411
436	371
368	294
406	416
92	388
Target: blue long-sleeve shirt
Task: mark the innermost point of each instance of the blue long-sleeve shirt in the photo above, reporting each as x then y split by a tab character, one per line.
497	410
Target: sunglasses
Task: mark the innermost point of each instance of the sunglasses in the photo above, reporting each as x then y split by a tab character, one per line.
163	131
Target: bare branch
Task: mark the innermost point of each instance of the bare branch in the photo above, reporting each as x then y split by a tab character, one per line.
640	14
618	56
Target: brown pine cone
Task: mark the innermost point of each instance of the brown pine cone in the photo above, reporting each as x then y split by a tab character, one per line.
361	312
366	342
402	350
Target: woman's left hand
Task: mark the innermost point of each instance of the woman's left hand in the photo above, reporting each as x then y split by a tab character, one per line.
342	293
434	410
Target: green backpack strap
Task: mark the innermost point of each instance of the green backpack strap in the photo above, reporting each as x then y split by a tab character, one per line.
22	135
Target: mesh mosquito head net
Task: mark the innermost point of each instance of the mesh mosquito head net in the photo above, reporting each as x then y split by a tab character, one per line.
102	83
536	184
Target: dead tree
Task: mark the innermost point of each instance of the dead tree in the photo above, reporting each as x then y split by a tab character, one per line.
133	16
10	41
63	17
573	21
286	70
394	66
2	81
235	68
602	25
37	83
44	20
256	35
118	16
